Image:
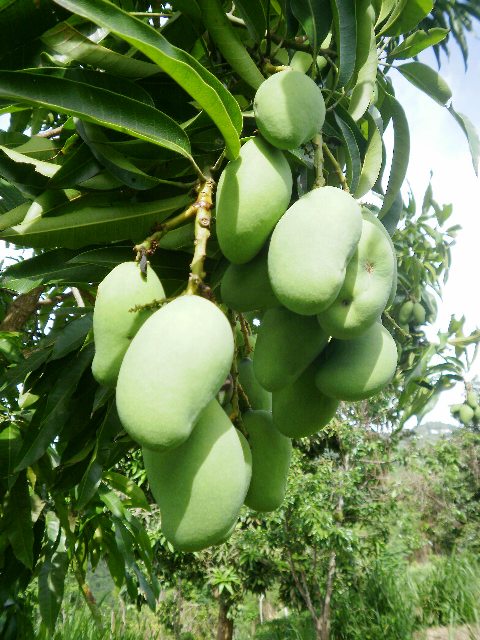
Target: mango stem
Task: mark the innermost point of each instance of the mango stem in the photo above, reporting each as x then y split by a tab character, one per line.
203	218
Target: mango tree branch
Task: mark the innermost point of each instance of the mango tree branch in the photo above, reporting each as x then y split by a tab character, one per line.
337	167
203	218
318	161
150	244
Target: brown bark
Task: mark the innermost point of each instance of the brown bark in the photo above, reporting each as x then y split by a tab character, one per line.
323	624
225	624
20	310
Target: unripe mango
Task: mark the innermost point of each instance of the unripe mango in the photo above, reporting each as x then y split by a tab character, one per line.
246	287
477	413
300	409
286	344
114	324
359	368
258	397
311	247
271	454
418	314
175	365
455	409
289	109
367	285
201	485
405	313
466	414
472	399
253	193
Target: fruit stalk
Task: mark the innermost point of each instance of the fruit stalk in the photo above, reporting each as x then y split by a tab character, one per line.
203	206
318	161
337	167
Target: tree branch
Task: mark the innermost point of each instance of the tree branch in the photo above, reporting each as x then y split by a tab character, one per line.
20	310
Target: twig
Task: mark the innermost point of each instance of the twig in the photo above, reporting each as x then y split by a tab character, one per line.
337	167
50	133
78	297
318	161
149	245
203	206
404	333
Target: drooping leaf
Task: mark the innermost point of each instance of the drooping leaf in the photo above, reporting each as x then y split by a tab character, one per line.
366	62
129	488
203	86
471	133
315	16
95	105
80	165
354	163
51	582
372	162
345	30
426	79
71	337
418	42
18	521
253	13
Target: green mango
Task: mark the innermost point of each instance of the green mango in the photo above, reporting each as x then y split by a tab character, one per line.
258	397
472	399
381	226
405	313
271	454
301	61
175	365
455	409
253	193
466	414
477	413
114	324
246	287
419	314
286	344
311	247
289	109
359	368
300	409
200	486
367	285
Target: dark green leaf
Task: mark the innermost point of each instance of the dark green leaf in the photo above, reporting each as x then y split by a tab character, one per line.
129	488
426	79
71	337
79	165
18	521
315	16
51	581
253	13
346	37
354	163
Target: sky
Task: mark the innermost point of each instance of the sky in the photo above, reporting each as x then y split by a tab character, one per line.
438	145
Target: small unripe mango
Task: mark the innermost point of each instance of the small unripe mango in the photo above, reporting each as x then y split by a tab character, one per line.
311	247
359	368
246	287
175	365
300	409
405	313
258	397
286	344
201	485
418	314
271	453
367	285
253	193
289	109
466	414
114	322
472	399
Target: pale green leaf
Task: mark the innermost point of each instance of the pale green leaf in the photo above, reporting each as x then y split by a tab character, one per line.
471	133
418	42
372	163
427	80
401	154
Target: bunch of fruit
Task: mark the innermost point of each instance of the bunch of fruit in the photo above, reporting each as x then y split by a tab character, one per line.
469	411
318	274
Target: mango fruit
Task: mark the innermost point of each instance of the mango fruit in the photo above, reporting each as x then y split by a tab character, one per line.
114	325
477	413
472	399
286	344
300	409
253	193
359	368
405	313
466	414
419	314
246	287
258	397
367	285
175	365
289	109
311	247
271	454
200	486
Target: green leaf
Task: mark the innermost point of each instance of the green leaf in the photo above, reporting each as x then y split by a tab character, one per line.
79	165
10	443
427	80
18	521
418	42
95	105
315	16
366	62
55	414
129	488
471	133
354	163
111	501
71	337
253	13
80	223
401	154
203	86
75	46
372	162
406	16
346	37
51	581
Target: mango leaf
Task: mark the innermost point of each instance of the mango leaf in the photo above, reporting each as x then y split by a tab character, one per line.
471	133
406	16
80	223
18	521
80	165
253	13
372	162
71	337
315	16
417	42
51	582
55	413
95	105
353	160
65	39
366	62
10	443
129	488
427	80
401	154
10	196
345	30
203	86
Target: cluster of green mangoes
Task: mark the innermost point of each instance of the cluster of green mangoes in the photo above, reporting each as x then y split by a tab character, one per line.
469	411
411	313
318	274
